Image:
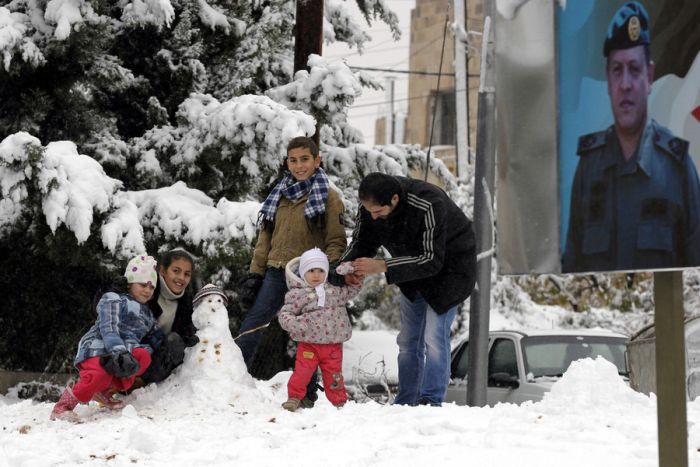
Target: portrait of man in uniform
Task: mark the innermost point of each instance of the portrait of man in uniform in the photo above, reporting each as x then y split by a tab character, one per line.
635	196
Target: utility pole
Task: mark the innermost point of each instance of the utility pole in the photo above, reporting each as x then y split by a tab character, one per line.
671	414
479	308
308	36
390	130
461	103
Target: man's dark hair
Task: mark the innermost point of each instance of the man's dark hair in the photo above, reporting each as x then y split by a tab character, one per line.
176	253
379	188
303	142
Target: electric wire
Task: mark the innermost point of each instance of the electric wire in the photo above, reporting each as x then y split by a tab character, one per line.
437	93
410	72
374	104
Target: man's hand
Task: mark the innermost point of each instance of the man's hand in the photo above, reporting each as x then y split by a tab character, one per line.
365	266
354	279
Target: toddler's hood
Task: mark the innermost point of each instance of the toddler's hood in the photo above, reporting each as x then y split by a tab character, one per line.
291	274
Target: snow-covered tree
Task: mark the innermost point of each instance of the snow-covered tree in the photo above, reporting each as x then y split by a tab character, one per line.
131	125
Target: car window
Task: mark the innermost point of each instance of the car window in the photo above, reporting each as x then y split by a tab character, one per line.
502	358
460	362
552	355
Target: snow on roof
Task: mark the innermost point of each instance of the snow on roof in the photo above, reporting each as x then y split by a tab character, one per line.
565	332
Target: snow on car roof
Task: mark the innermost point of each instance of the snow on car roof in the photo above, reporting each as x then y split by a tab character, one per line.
563	332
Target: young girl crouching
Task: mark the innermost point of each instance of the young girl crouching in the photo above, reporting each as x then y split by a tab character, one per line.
118	347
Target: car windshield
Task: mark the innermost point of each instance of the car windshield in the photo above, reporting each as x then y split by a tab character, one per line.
552	355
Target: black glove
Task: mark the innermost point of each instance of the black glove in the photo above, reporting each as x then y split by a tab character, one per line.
121	365
248	289
333	278
190	341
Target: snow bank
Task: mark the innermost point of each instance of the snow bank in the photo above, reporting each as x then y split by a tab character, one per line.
590	418
592	382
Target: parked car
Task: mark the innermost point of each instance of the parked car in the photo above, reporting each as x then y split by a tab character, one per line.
523	365
641	358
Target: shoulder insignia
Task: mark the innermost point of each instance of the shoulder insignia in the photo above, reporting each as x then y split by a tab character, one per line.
590	141
670	144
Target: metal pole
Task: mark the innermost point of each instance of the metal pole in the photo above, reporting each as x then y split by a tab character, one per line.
308	36
461	80
670	369
483	219
467	91
389	130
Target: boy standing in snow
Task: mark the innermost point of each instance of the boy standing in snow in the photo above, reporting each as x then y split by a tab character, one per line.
118	347
302	211
314	314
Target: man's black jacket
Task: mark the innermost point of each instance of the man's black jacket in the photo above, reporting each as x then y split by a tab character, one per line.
431	242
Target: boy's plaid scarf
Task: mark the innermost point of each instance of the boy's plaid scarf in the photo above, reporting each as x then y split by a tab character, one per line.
316	186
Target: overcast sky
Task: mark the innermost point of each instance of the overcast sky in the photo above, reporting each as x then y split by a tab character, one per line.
381	52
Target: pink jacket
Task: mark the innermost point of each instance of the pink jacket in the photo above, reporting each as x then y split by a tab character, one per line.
304	320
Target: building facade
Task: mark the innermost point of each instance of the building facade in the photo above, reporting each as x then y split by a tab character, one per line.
425	101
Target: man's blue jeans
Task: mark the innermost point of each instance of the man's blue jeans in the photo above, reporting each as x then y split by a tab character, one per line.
424	352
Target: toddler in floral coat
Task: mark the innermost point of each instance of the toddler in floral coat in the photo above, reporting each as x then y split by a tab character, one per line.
314	314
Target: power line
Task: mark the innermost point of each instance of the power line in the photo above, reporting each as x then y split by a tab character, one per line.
357	52
415	52
372	104
437	91
367	52
410	72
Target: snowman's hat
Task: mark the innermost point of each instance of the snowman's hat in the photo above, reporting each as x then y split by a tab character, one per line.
209	289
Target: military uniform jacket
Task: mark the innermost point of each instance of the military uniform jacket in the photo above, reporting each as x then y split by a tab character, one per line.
430	240
642	213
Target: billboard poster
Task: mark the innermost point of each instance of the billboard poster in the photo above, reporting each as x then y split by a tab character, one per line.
629	135
603	118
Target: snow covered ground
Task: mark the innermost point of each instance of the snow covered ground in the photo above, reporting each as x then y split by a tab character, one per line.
210	412
577	424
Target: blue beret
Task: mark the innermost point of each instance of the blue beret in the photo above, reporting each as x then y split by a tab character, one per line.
628	28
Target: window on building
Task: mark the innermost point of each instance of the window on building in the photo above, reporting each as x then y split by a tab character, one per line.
444	132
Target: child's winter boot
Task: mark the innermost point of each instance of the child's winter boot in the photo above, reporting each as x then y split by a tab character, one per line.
63	410
292	404
106	399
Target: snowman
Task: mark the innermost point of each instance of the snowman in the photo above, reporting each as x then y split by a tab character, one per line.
213	373
216	348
